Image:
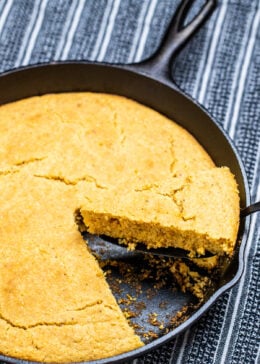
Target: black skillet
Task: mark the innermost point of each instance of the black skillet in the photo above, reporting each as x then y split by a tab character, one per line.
149	83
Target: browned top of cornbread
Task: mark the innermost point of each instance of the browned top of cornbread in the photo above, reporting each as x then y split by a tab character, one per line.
55	152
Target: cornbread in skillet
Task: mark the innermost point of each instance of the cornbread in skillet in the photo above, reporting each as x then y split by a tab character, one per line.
64	152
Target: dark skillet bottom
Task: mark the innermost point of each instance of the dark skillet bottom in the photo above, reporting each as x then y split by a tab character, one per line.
144	288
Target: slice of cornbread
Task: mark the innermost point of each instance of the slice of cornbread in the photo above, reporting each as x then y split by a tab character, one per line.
197	213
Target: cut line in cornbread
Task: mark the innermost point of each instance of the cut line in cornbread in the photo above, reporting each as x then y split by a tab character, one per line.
197	213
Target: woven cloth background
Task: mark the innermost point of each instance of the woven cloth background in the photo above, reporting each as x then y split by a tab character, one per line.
220	67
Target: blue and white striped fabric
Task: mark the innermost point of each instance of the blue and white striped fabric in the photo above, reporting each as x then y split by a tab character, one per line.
220	67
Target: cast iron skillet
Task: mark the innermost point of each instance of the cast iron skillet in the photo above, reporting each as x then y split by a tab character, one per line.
149	83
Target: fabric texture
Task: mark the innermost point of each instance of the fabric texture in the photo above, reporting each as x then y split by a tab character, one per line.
220	68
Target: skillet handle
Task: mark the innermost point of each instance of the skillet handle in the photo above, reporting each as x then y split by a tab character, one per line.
175	38
250	209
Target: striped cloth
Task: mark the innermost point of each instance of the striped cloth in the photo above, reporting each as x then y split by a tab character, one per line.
220	67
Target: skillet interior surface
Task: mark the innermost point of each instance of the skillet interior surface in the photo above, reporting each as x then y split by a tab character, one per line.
163	300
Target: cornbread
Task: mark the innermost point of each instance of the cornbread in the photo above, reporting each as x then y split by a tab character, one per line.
130	171
198	213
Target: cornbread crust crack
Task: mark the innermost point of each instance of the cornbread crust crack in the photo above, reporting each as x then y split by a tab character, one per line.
71	322
171	196
28	161
178	202
16	167
9	171
71	182
173	161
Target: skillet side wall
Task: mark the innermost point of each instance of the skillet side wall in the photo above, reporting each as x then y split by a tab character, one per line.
83	76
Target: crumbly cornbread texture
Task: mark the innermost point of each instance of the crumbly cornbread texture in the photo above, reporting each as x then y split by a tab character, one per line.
59	153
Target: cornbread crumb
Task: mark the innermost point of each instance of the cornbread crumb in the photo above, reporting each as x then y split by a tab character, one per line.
190	280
